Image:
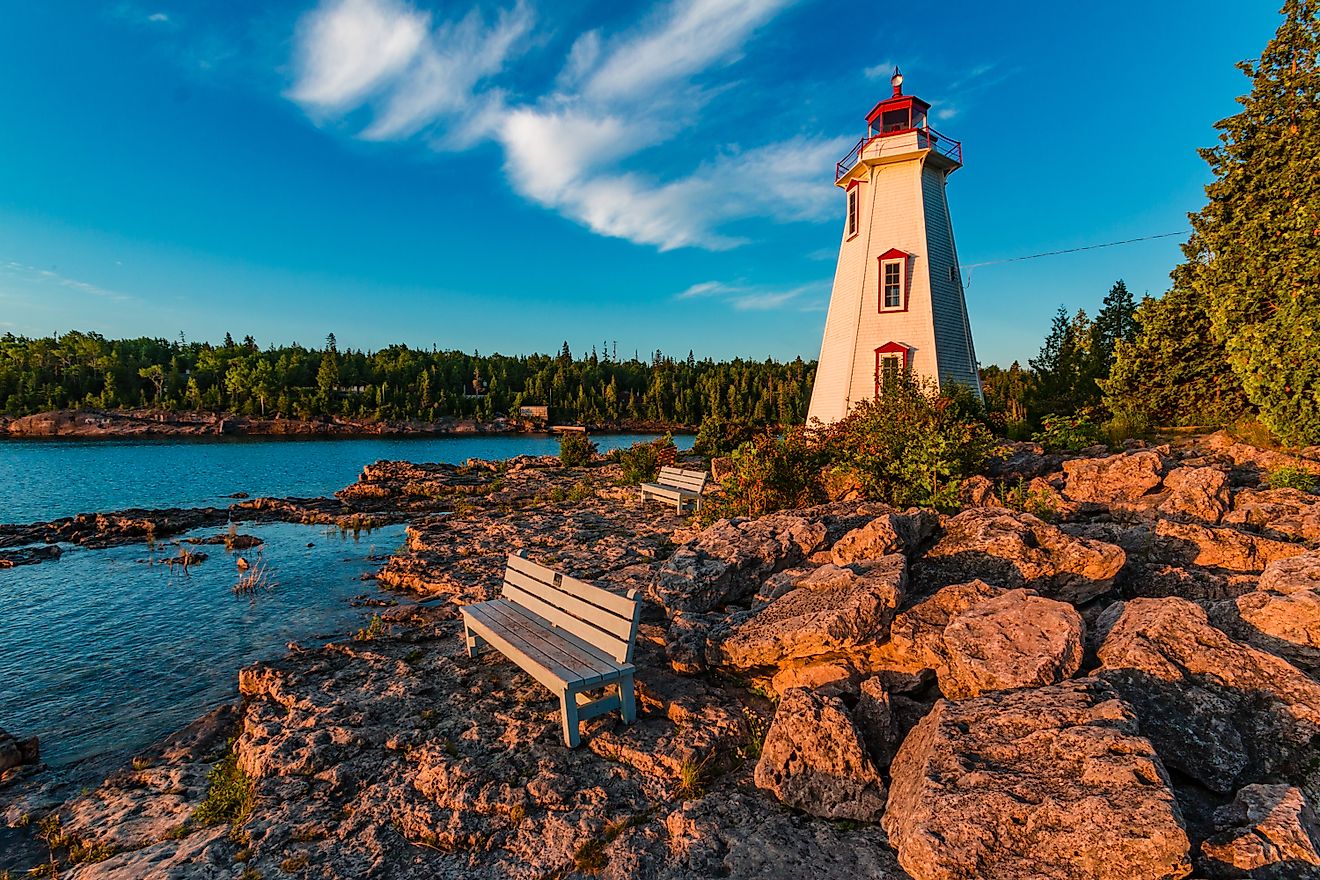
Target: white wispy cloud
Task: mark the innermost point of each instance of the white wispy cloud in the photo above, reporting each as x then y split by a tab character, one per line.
748	298
33	276
884	70
568	149
158	17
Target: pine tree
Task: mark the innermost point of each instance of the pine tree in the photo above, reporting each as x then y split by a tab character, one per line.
1114	323
1173	371
1258	235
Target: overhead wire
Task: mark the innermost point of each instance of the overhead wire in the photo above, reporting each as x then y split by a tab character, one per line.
1089	247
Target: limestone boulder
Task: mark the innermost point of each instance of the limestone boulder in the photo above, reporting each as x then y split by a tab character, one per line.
1283	615
728	561
1017	639
1220	711
1013	549
886	534
1284	513
685	642
1200	493
1125	477
1050	783
1269	832
916	637
814	760
841	611
1181	543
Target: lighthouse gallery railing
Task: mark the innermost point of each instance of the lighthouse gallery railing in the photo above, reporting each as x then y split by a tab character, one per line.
927	138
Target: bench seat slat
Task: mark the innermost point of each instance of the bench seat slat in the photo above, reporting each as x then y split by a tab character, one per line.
605	662
670	491
555	642
544	669
622	606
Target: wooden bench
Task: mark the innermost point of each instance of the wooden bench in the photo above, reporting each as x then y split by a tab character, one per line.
676	485
568	635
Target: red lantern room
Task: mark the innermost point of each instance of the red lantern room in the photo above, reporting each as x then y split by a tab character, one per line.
897	113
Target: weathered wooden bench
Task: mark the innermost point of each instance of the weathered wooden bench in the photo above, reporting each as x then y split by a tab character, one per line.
570	636
676	485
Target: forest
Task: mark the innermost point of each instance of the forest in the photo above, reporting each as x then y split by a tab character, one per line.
79	369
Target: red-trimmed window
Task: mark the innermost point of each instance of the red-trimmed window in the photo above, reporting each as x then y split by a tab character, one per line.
854	201
893	281
891	364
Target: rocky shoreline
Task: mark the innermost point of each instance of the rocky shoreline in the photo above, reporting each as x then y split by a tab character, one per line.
1103	666
94	423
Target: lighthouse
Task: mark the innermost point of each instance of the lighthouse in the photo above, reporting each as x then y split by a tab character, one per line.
897	305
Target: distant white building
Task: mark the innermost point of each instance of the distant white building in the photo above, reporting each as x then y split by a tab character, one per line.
897	304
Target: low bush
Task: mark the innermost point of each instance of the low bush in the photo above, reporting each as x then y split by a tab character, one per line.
641	462
1060	433
575	449
1289	477
719	436
767	474
229	794
911	446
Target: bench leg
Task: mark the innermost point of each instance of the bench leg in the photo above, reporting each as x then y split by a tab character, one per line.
568	709
627	705
473	640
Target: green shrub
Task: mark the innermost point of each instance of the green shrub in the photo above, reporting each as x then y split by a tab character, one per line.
911	445
720	436
575	449
1289	477
641	462
229	794
767	474
1067	433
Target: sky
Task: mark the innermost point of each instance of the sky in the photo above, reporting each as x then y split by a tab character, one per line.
507	176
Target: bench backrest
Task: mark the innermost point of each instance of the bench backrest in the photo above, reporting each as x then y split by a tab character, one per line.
693	481
602	619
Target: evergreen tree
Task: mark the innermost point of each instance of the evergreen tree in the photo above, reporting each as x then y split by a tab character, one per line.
1115	322
1254	257
1173	371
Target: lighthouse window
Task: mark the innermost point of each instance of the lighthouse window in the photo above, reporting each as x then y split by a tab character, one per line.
852	212
893	285
890	366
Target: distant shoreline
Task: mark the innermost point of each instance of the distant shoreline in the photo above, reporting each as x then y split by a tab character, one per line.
91	424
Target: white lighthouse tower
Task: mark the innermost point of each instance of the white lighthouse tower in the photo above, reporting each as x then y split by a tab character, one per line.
897	305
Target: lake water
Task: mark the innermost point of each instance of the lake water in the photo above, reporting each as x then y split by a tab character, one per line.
48	479
102	652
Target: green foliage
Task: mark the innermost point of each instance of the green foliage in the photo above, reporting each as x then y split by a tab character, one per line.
1173	372
769	473
641	462
376	628
1067	433
88	370
1036	501
1253	254
576	449
911	445
229	794
1006	395
720	436
1289	477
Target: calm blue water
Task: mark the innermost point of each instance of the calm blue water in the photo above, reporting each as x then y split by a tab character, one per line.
102	653
47	479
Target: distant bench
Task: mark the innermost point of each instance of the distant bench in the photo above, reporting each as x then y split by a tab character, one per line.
568	635
677	485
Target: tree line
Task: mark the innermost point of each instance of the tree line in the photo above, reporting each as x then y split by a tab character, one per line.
1238	333
79	369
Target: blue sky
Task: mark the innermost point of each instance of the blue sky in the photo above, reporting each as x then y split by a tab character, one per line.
505	176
